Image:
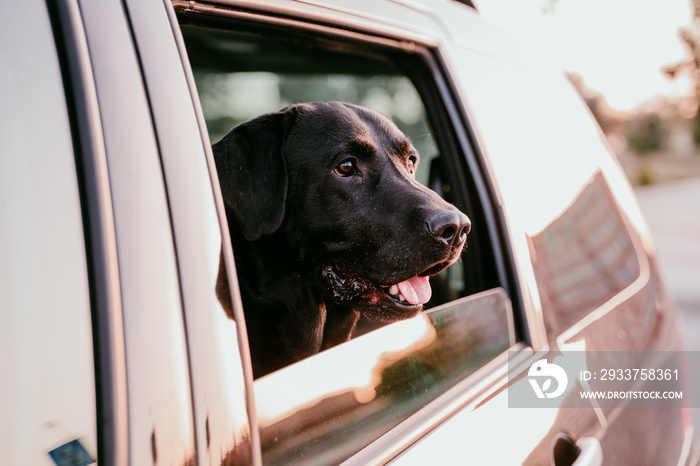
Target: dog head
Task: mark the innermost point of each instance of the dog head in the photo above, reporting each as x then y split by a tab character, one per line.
336	184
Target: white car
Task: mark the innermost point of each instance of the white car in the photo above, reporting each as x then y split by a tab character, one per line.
113	346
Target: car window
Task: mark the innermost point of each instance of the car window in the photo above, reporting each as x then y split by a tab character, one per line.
328	406
241	76
47	393
386	376
584	257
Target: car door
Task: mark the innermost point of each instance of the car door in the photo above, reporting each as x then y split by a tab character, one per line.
421	382
148	87
146	407
170	384
579	236
48	396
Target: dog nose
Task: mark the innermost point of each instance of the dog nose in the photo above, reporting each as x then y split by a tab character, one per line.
449	227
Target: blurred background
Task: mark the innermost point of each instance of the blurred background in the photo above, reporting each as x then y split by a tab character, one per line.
636	63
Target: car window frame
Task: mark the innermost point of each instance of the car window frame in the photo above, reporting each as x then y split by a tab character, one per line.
446	104
463	141
223	410
442	103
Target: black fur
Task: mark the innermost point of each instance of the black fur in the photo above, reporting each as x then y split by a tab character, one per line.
314	248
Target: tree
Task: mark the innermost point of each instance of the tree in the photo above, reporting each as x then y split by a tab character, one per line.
690	36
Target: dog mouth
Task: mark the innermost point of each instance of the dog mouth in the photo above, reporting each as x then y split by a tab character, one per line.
408	295
415	290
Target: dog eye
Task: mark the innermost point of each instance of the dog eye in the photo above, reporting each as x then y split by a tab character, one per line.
411	164
347	168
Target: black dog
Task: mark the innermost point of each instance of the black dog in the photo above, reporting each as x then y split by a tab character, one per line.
327	222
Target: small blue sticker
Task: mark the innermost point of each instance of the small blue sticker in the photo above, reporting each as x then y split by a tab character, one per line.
72	453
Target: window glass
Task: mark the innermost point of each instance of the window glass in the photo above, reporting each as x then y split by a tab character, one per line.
386	376
47	393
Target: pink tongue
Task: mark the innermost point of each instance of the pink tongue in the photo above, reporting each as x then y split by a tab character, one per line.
416	290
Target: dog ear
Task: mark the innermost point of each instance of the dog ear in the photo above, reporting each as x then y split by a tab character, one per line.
253	172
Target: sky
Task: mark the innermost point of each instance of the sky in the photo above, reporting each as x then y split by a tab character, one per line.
617	46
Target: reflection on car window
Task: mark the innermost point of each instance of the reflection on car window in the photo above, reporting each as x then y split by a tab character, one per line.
584	257
373	382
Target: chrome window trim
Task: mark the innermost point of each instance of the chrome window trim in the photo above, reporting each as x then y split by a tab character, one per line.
327	25
113	428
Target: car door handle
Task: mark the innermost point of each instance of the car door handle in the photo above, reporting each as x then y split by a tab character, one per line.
586	452
590	452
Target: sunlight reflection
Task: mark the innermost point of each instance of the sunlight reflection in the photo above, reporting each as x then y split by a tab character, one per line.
353	367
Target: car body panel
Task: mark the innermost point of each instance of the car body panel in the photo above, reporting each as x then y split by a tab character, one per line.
48	395
573	148
173	376
158	391
103	267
